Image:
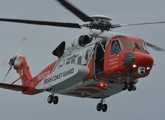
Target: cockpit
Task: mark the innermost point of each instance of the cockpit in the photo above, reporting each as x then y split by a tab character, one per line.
127	44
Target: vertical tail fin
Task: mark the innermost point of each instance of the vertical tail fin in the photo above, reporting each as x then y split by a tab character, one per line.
24	72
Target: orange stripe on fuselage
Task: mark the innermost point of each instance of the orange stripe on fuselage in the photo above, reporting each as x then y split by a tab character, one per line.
90	66
47	71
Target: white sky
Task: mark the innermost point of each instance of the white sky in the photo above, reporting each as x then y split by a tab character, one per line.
147	103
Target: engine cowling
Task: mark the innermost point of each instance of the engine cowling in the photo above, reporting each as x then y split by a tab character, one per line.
83	40
78	42
66	47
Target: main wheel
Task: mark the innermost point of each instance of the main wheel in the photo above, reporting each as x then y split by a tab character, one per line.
130	86
124	85
55	99
134	88
104	107
50	99
99	107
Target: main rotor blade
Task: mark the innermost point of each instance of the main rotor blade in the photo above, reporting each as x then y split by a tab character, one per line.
7	74
75	11
154	47
36	22
145	23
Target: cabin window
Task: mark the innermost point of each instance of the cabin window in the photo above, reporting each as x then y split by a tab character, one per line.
115	47
73	61
79	60
61	63
68	62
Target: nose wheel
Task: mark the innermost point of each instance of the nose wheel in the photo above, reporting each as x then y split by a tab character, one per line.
100	106
129	86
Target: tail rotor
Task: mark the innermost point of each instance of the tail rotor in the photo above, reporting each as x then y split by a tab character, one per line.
14	61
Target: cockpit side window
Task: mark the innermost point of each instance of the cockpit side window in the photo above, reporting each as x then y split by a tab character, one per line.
115	47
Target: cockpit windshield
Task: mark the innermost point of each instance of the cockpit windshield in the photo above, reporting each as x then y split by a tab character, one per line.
133	45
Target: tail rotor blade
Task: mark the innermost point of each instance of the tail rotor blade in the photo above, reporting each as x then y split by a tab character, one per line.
5	62
7	74
20	47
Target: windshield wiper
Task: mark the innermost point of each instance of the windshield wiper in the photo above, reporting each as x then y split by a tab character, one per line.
139	48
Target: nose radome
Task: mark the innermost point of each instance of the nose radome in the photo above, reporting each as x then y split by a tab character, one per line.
144	60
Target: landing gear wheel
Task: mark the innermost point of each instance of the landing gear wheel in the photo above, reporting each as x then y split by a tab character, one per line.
50	99
134	88
99	107
55	99
104	107
124	85
130	86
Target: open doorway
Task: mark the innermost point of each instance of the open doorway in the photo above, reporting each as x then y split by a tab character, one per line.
99	58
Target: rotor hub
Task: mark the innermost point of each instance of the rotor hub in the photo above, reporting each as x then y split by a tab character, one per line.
101	18
100	22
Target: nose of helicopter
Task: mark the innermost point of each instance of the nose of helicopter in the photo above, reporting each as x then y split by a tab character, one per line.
143	59
140	60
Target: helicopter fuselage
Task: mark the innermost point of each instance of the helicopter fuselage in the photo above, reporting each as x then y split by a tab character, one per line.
97	66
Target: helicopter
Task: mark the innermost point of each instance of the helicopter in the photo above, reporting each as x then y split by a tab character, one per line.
95	65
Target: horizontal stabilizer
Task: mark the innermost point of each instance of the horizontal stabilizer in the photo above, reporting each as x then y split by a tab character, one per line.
12	87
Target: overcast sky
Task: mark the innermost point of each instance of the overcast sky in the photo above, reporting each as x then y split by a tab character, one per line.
146	103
